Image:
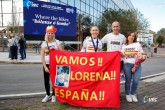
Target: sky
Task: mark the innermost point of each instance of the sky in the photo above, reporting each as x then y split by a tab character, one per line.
153	10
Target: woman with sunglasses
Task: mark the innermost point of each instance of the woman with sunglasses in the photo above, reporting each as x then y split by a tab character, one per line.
49	43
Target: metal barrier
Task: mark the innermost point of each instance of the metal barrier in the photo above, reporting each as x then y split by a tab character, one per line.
3	44
37	47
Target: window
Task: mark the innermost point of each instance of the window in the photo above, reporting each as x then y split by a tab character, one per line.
95	4
18	19
87	9
6	6
71	2
116	8
77	3
43	0
57	1
91	11
91	3
113	5
17	6
0	8
83	7
0	19
7	19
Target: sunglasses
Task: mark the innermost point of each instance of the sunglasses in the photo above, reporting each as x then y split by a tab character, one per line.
50	33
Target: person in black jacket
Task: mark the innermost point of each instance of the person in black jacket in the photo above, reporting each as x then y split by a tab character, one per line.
22	47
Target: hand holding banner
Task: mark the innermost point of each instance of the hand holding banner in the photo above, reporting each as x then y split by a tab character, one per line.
86	79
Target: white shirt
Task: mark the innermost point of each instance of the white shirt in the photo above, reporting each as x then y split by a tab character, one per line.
52	45
114	42
131	51
88	45
14	41
9	42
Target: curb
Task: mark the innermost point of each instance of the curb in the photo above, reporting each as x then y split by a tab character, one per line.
24	95
18	62
147	77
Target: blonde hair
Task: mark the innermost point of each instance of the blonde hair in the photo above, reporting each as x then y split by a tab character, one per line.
46	37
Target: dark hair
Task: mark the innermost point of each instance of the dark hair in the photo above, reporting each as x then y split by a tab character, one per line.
128	34
93	26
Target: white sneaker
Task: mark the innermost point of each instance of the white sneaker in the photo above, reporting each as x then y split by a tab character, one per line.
46	98
134	98
128	98
53	99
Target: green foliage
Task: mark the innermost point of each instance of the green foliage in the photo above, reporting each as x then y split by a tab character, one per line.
104	47
161	32
86	24
130	20
160	39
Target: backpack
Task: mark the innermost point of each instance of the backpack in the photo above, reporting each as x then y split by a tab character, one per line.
14	43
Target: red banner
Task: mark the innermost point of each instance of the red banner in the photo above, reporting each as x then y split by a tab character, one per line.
86	79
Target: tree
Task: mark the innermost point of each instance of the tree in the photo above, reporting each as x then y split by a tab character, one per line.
161	32
86	24
143	23
160	40
130	20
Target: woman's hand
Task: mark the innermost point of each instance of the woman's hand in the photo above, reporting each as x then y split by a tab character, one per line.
122	55
46	69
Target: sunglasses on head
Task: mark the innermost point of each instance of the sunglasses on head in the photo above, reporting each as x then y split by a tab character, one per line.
50	33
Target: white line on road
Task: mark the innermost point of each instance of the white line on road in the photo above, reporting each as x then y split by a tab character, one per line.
147	77
20	95
12	65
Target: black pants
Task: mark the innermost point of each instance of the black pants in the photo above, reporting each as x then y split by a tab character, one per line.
121	65
14	52
46	82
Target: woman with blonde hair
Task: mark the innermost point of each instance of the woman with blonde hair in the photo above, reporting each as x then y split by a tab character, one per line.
49	43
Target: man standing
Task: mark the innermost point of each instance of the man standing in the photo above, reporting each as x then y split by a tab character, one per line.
114	40
22	47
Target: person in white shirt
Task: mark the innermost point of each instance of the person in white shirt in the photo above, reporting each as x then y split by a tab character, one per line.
114	40
92	43
14	48
9	46
49	43
129	50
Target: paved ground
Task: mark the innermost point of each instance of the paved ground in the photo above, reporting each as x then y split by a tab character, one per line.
151	93
151	96
33	57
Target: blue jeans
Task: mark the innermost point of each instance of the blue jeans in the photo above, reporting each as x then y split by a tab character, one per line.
135	77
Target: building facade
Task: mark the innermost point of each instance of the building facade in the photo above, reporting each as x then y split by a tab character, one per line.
95	8
11	11
11	15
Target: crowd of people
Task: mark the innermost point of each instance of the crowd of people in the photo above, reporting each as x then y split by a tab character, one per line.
115	41
17	46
